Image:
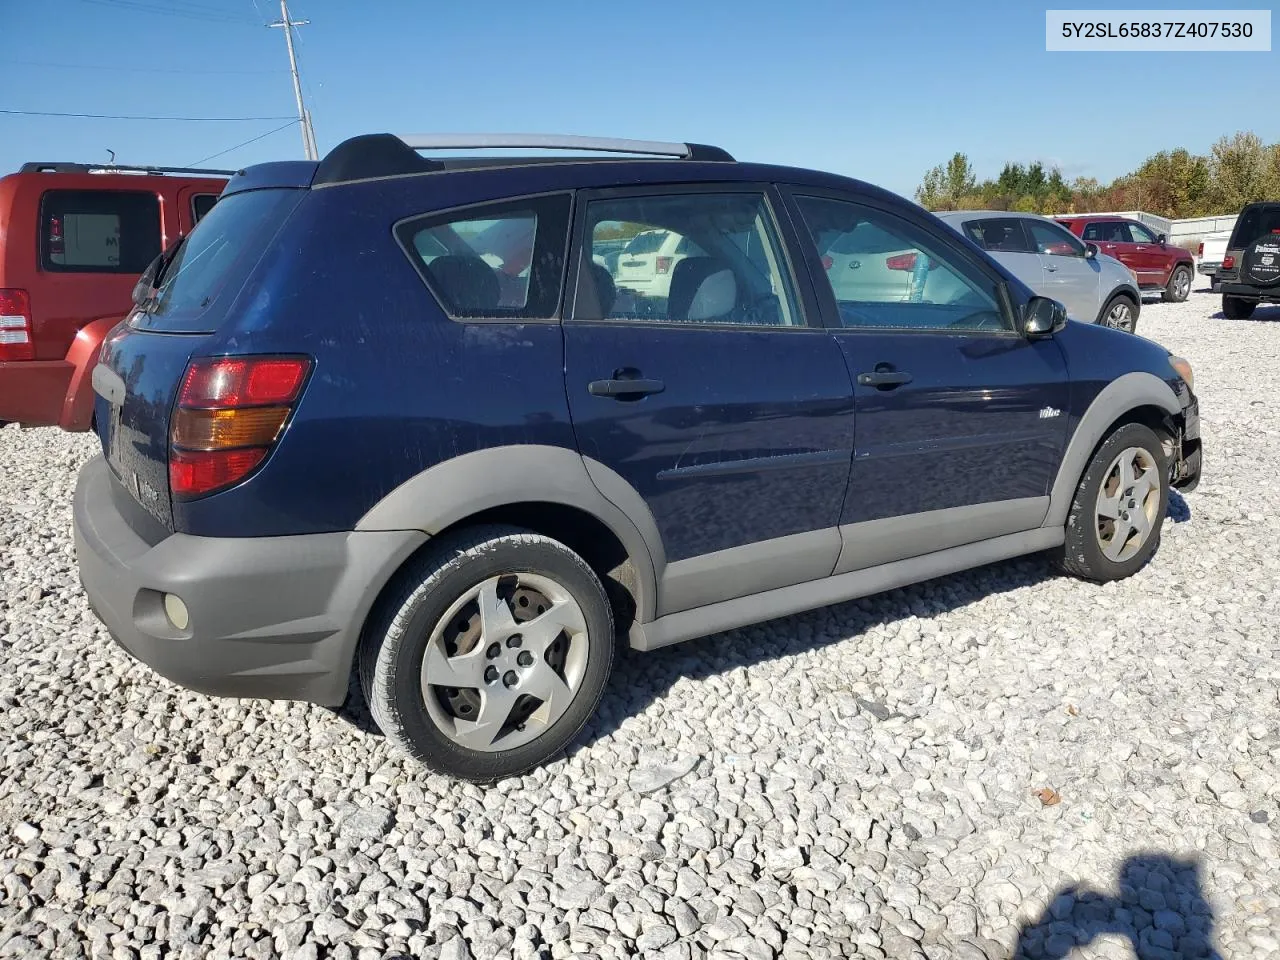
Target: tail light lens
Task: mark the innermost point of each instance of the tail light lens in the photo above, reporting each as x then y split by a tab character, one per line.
1200	249
827	263
663	264
15	325
1228	262
906	261
230	412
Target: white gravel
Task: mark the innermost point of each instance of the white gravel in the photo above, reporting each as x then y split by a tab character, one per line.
857	781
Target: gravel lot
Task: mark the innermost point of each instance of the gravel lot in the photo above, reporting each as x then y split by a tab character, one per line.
857	781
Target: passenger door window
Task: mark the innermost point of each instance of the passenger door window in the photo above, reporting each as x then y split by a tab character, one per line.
496	261
1106	232
98	231
201	204
1140	234
706	258
885	272
1049	238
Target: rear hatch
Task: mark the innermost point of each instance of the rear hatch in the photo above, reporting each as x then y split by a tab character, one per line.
143	362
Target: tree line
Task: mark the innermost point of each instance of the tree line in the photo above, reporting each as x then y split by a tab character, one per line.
1172	183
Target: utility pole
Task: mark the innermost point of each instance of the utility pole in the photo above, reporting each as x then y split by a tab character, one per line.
304	115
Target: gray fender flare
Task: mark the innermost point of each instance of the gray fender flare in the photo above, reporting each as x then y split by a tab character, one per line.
463	486
1117	398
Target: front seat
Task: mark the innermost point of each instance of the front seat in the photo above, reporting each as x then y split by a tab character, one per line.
702	289
993	235
468	283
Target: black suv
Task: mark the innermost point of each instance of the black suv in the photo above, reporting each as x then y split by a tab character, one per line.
1250	272
410	417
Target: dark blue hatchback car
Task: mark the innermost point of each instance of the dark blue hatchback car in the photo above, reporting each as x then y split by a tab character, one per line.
459	423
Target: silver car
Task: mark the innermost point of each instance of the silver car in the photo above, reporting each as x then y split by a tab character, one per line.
1055	263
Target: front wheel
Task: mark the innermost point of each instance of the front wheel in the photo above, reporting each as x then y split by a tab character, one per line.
492	656
1233	308
1118	510
1120	313
1179	286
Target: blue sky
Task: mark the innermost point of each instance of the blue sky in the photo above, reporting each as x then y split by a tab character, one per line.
881	91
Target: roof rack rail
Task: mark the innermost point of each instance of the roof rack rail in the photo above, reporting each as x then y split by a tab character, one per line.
387	155
561	141
62	167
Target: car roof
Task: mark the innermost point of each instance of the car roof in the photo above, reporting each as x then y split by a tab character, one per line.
989	215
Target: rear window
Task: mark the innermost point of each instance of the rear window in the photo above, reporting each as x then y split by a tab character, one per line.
218	252
1256	221
98	231
649	242
494	261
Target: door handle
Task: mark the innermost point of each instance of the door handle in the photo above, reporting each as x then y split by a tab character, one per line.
625	388
884	378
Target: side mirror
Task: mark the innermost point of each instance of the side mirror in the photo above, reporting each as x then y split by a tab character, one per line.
1042	317
1161	239
1090	250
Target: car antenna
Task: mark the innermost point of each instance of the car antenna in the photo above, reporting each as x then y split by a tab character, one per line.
112	161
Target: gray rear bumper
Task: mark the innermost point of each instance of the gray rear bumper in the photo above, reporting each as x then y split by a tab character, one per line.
274	617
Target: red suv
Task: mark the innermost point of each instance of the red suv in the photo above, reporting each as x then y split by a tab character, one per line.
1156	264
73	241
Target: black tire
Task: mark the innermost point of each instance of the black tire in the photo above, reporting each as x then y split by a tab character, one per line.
1082	553
1233	308
1179	286
1105	319
395	639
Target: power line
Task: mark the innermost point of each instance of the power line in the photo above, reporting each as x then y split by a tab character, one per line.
113	116
263	136
189	12
118	68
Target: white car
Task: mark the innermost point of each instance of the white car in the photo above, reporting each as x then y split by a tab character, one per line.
647	262
1209	255
868	264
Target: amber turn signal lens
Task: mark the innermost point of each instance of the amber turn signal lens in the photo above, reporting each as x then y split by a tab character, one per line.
227	428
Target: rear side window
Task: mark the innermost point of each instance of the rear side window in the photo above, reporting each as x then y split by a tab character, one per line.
496	261
98	231
1054	240
201	204
1256	221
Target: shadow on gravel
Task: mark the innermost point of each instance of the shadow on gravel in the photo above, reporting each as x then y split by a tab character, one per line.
639	678
1160	909
1264	312
1179	511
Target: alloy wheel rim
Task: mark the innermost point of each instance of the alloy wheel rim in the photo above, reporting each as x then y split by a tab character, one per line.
1128	500
1120	317
504	662
1182	285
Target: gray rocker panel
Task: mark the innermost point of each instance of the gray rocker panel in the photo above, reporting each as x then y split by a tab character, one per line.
1117	398
461	487
784	601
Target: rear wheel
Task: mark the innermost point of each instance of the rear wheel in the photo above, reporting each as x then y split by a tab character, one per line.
1120	313
1179	286
492	656
1118	510
1233	308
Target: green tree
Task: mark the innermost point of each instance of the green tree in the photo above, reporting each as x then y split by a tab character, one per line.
1239	171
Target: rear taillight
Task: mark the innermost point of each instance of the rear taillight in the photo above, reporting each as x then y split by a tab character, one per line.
15	325
906	261
230	412
827	263
662	264
56	245
1200	249
1228	262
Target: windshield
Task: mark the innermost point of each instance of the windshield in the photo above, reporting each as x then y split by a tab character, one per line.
218	251
1256	221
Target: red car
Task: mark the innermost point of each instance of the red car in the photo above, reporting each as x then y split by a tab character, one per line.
1157	265
73	241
